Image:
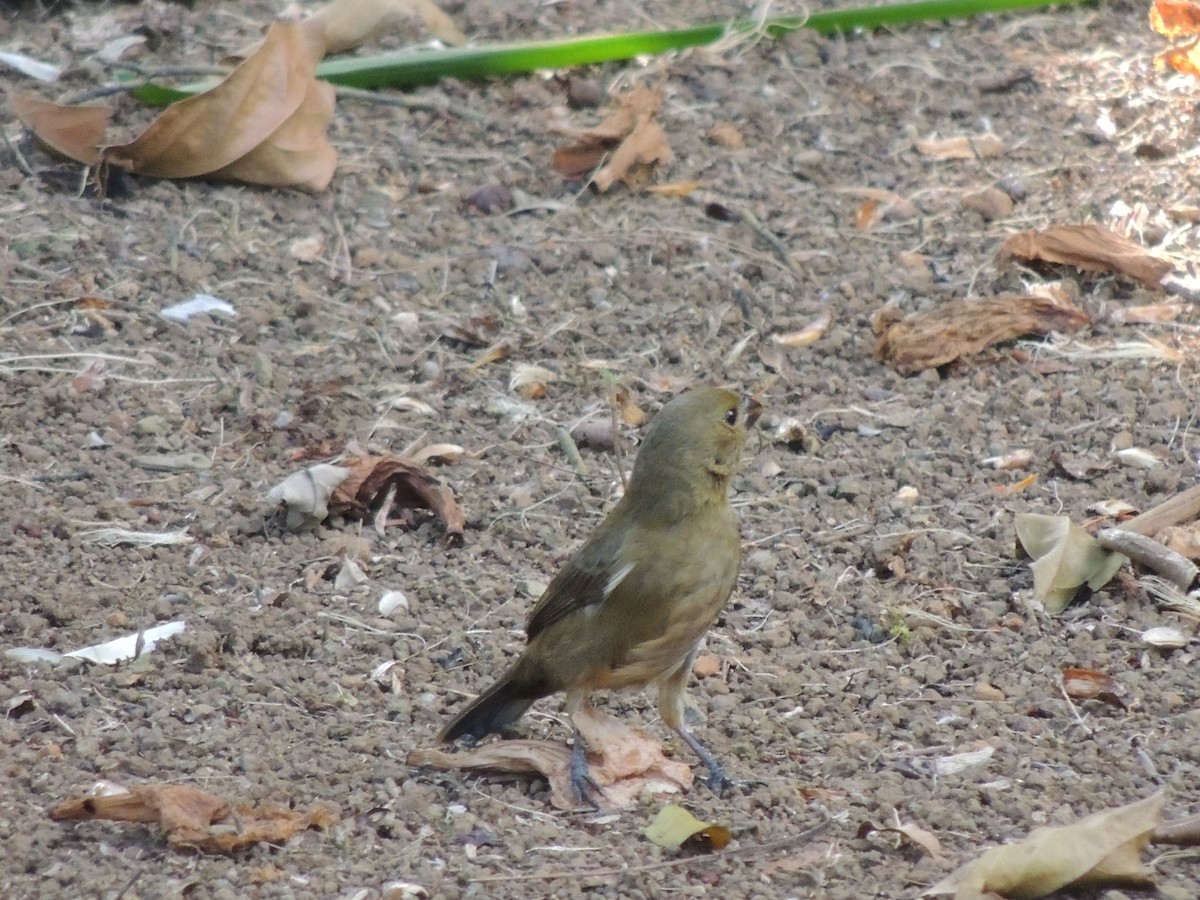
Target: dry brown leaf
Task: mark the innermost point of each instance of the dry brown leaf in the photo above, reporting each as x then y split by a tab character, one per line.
346	24
1091	248
626	763
965	146
963	328
1090	684
373	478
272	98
630	137
1099	850
867	216
76	132
191	817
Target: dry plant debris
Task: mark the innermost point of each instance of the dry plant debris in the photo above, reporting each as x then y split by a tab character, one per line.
964	328
967	146
626	763
266	123
1100	850
192	818
674	828
378	482
1091	248
630	138
1065	558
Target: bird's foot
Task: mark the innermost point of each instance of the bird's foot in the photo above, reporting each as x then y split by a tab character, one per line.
717	780
586	788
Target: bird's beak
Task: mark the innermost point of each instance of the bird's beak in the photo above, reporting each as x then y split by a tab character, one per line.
751	410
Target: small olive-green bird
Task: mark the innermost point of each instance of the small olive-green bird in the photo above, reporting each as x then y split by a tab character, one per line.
630	607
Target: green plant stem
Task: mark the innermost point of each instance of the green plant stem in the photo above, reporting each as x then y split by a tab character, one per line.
412	68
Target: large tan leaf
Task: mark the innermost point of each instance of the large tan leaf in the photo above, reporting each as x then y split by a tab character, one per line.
76	132
1097	851
211	131
298	153
1092	248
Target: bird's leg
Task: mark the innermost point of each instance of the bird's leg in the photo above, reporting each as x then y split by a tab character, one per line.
585	786
717	779
670	707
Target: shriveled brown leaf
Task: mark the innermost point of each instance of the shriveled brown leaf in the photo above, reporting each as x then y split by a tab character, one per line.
269	115
1092	248
372	478
346	24
963	328
1090	684
630	137
191	817
1100	850
965	146
625	762
76	132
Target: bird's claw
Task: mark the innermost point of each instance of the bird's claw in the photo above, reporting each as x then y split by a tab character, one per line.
586	788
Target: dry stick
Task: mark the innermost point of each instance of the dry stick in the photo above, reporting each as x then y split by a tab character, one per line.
751	850
1180	508
1182	832
1150	554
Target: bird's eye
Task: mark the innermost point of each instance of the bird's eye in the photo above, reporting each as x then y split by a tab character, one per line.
731	417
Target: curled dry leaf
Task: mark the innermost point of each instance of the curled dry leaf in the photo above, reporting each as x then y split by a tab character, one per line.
76	132
674	828
1090	684
1013	459
625	762
1065	558
372	479
1091	248
305	494
193	818
964	328
920	836
1097	851
808	335
264	124
629	137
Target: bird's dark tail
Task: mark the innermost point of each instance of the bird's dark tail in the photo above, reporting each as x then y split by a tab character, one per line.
500	705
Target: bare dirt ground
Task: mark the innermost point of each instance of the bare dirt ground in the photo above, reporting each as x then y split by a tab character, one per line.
867	636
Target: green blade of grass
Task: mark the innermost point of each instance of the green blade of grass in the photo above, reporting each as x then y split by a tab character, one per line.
412	68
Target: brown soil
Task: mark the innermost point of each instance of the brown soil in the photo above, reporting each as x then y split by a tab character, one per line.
268	696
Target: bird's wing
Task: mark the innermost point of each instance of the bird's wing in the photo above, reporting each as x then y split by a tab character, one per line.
587	580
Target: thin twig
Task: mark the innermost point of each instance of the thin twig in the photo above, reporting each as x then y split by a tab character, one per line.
614	872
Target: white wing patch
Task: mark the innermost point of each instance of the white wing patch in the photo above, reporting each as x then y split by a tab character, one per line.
617	577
